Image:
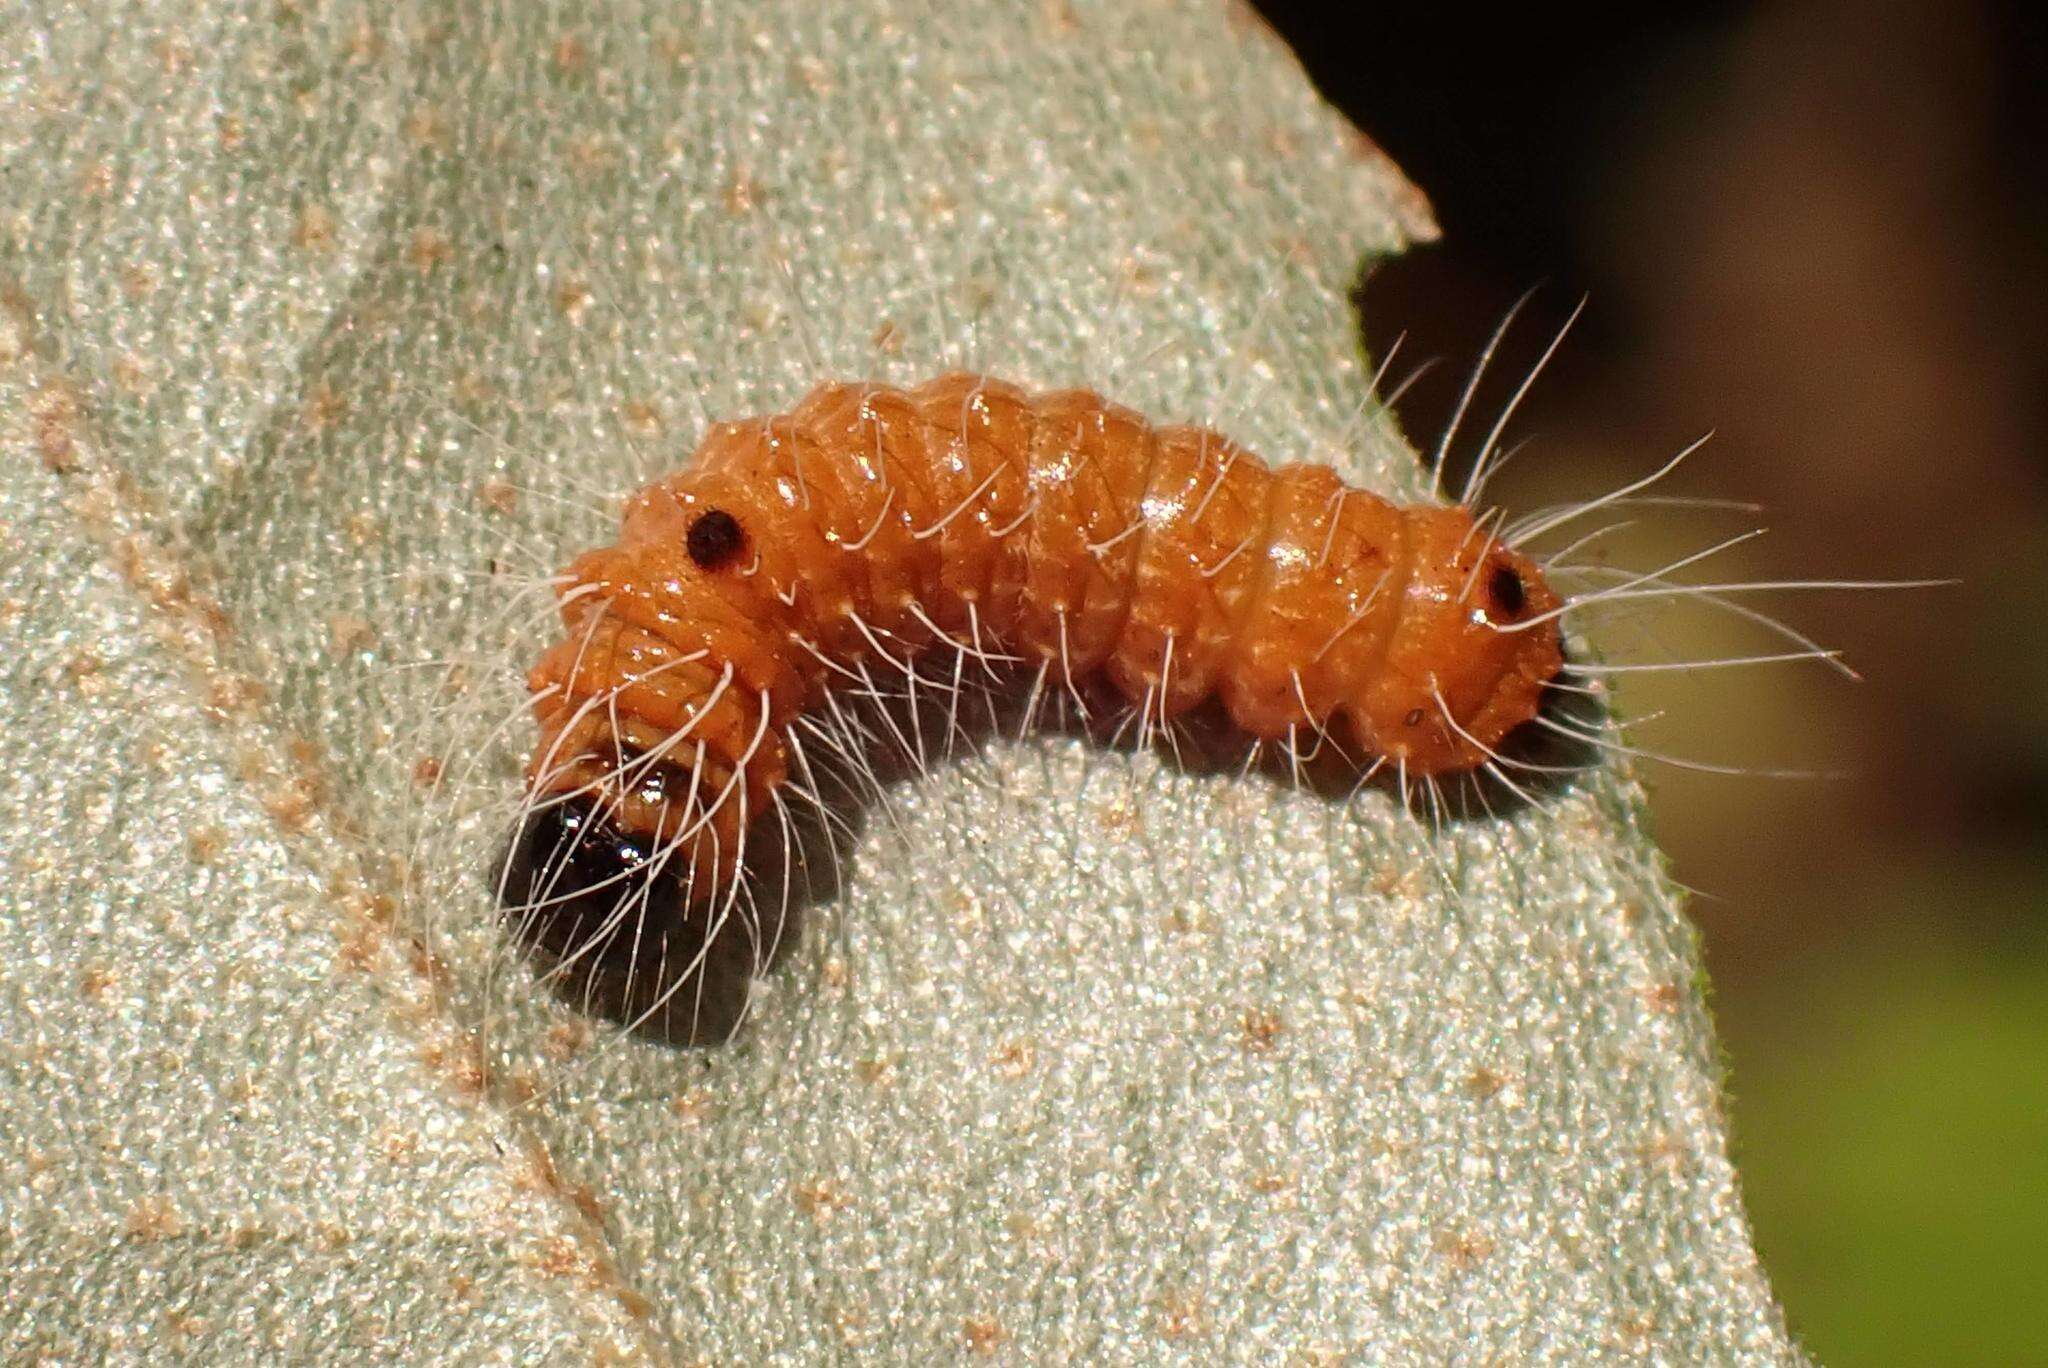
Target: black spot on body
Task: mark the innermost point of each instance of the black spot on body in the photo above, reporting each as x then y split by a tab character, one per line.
1504	587
715	539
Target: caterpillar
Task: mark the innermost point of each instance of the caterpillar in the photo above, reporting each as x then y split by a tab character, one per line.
870	526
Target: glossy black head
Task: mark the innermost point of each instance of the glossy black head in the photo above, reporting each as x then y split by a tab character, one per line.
613	929
572	876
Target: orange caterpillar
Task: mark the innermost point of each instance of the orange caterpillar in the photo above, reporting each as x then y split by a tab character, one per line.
870	525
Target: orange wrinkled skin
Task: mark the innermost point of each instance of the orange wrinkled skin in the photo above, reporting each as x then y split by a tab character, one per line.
1056	527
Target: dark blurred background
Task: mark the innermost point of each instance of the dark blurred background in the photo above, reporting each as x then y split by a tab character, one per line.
1816	227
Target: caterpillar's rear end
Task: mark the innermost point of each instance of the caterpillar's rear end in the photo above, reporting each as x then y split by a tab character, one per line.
834	547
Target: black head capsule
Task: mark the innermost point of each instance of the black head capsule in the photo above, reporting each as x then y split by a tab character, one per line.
573	883
607	917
